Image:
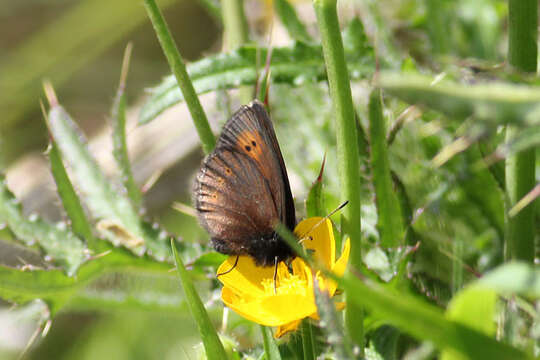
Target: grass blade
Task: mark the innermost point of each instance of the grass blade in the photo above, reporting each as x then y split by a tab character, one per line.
212	343
390	220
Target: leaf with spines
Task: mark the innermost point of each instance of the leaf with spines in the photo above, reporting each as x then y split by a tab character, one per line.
117	219
293	65
57	241
74	210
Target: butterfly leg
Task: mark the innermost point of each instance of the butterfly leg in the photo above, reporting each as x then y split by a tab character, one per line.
231	269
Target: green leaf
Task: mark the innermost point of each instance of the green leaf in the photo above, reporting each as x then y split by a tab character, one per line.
120	153
212	344
474	307
294	64
523	140
492	103
52	286
271	350
515	278
290	20
57	241
425	321
385	342
72	205
308	342
210	259
390	220
118	221
314	200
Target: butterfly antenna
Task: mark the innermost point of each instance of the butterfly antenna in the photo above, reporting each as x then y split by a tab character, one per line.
231	269
304	237
275	274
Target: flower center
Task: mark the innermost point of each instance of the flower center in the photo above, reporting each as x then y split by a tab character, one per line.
291	284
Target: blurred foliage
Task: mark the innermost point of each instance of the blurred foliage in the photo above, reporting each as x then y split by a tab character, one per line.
124	303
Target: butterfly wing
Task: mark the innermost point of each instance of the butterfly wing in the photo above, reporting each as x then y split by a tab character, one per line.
242	189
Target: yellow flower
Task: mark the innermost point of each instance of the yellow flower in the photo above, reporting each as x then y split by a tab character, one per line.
249	289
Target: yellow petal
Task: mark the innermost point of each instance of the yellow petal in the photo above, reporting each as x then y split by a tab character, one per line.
316	234
341	264
339	306
246	277
282	330
274	310
303	271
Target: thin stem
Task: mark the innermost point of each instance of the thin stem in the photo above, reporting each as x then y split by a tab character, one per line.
307	340
234	23
347	144
236	33
519	169
179	70
271	350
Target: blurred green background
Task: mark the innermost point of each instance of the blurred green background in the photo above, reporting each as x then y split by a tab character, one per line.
78	46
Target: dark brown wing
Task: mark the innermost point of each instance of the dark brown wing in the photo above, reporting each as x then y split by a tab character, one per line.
242	189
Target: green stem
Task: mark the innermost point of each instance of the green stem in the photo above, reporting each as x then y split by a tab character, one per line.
307	340
271	350
347	144
212	344
234	23
519	171
236	34
179	70
522	34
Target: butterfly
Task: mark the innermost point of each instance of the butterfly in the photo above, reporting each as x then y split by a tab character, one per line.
242	190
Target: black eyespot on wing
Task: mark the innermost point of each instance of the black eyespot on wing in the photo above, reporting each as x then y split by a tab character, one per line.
248	148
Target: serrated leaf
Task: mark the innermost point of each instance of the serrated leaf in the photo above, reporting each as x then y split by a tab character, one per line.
293	65
289	19
70	200
57	241
390	220
492	103
117	220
